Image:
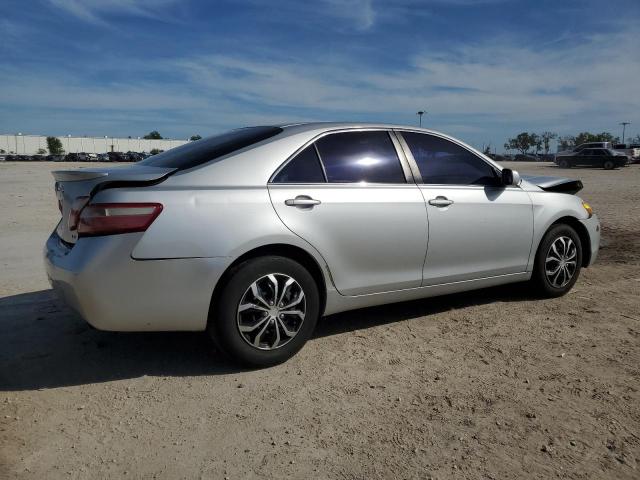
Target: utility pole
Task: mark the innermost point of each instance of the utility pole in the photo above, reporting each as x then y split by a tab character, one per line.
624	126
420	113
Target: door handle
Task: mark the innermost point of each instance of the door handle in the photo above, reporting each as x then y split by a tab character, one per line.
440	201
302	201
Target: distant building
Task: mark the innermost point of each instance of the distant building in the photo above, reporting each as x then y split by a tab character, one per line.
30	144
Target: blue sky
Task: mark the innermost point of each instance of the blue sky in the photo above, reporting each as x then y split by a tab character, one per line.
483	69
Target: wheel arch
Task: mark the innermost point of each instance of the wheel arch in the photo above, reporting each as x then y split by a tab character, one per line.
582	232
293	252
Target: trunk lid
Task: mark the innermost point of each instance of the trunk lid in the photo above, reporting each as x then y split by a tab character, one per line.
555	184
75	188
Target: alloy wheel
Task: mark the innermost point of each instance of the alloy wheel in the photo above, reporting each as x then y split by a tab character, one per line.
561	261
271	311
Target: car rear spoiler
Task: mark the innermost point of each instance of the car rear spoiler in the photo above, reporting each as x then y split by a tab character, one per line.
555	184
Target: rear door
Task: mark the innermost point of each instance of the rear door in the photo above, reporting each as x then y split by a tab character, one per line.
477	227
350	194
592	157
580	158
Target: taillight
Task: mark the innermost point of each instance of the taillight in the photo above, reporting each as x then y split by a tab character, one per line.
74	213
112	218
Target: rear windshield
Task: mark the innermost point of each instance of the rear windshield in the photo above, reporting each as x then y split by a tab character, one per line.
201	151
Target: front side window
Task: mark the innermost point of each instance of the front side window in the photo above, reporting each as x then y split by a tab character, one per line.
303	168
360	157
443	162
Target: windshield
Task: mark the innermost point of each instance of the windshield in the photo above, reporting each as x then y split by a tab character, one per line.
196	153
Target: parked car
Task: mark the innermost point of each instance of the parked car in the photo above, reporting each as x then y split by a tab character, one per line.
582	146
632	152
254	234
3	157
55	158
635	146
78	157
117	157
593	157
38	158
133	156
525	158
102	157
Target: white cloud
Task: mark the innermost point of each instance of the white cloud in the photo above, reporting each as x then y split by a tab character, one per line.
476	90
94	10
507	81
360	12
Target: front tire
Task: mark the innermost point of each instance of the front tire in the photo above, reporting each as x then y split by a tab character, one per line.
558	261
266	312
609	165
564	163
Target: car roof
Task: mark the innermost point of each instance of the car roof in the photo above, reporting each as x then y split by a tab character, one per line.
293	128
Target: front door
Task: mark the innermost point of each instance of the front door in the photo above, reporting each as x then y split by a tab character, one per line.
477	227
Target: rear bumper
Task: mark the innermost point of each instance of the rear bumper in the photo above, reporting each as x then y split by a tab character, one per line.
98	279
593	228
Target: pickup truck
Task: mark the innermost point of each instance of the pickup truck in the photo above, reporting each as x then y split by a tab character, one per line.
631	151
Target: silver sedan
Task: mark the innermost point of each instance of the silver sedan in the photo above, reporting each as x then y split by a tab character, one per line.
255	234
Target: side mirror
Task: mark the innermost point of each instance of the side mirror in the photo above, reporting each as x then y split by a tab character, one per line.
510	177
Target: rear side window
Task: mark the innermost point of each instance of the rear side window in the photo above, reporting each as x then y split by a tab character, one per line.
202	151
303	168
443	162
360	157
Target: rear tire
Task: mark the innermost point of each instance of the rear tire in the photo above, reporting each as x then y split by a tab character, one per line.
558	261
564	163
248	324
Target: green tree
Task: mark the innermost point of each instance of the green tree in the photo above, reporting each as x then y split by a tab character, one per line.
41	151
155	151
2	150
195	137
522	142
585	137
153	136
566	142
546	138
536	142
607	137
55	146
487	149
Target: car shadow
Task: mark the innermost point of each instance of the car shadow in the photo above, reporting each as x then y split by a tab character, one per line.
371	317
43	344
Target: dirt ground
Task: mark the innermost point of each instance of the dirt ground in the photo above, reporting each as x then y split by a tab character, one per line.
490	384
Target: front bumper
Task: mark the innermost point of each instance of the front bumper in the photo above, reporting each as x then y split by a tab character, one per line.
593	228
98	279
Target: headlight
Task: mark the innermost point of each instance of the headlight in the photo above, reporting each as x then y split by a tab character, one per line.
588	208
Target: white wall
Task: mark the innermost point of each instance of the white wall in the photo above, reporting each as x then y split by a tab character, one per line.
29	144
